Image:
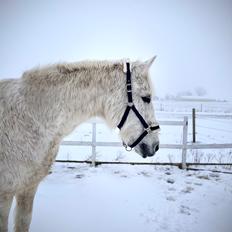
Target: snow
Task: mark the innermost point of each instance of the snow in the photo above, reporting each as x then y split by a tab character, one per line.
77	197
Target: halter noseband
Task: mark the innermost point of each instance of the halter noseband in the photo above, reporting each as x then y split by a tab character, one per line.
131	106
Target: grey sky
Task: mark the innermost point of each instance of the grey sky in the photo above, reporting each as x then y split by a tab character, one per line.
193	39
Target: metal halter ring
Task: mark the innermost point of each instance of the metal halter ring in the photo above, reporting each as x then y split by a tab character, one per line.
148	129
128	148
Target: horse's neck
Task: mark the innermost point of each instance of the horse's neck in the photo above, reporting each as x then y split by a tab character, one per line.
62	107
80	105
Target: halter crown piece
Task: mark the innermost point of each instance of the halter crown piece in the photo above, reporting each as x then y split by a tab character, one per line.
130	106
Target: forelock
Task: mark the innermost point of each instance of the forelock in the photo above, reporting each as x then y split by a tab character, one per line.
141	77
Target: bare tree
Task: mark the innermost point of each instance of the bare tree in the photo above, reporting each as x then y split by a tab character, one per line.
200	91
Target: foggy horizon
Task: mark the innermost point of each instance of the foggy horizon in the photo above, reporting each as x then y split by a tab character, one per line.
192	39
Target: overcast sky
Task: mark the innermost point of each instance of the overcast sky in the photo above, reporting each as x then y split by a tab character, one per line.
192	39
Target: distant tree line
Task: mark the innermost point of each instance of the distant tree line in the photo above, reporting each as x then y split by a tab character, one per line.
198	91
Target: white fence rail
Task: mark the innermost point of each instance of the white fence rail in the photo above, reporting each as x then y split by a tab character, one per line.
184	145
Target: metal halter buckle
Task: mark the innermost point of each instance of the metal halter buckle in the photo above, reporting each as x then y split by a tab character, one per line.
129	84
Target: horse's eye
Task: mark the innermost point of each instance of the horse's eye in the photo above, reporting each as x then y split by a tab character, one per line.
146	99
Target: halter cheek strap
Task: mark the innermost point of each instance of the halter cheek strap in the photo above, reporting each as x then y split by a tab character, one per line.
131	106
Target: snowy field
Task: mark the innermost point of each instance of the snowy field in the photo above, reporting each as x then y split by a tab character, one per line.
121	198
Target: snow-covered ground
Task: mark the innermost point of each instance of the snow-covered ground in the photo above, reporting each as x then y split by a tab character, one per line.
121	198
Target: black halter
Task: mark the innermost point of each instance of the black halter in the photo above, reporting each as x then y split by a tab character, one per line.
131	106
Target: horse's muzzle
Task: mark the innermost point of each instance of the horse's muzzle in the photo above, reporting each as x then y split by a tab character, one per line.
147	151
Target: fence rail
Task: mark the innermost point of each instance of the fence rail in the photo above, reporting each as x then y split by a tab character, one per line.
184	146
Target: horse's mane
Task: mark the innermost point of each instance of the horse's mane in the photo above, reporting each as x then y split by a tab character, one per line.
69	68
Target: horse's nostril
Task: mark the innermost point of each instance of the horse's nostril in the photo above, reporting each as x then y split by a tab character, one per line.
157	148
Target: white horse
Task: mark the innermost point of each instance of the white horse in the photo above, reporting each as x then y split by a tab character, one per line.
38	110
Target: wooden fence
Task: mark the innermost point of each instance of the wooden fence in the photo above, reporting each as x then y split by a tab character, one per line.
184	146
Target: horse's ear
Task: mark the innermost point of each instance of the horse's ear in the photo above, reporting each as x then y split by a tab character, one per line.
143	67
149	62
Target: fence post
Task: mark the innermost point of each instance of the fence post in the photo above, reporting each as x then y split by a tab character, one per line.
184	144
194	124
93	144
